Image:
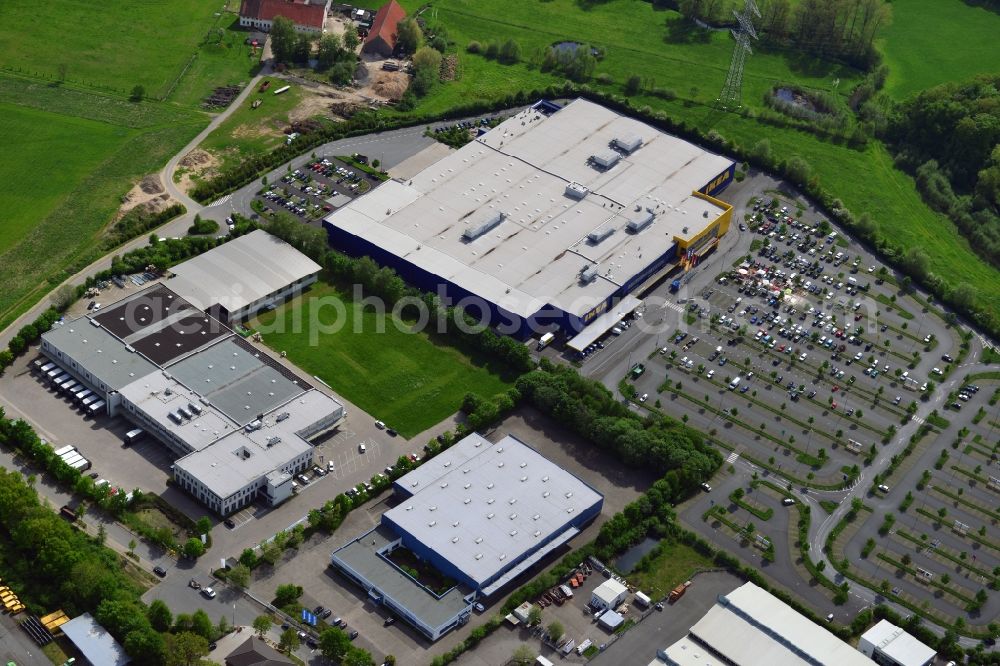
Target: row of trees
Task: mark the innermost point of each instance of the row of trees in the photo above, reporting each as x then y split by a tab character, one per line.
335	55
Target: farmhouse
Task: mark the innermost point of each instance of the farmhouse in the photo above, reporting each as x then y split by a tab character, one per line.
477	515
381	38
307	15
552	219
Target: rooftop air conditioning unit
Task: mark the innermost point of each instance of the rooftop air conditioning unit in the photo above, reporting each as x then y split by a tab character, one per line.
477	230
628	142
282	416
576	191
606	158
590	273
640	223
596	237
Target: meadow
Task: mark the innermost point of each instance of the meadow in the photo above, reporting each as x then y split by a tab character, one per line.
409	380
931	42
224	60
114	45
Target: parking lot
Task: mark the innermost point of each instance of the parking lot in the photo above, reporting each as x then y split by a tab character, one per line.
315	190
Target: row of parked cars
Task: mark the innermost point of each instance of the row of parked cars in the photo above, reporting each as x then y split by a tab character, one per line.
62	381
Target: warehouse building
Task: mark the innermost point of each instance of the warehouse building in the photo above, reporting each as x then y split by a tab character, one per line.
890	645
478	514
239	421
548	221
609	594
751	627
243	276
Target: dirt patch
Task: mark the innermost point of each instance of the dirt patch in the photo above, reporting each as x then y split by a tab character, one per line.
196	164
149	193
316	102
449	65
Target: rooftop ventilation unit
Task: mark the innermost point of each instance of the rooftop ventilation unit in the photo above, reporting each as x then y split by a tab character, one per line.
253	425
638	224
281	417
628	142
590	273
477	230
606	158
596	237
184	412
576	191
271	441
175	417
193	408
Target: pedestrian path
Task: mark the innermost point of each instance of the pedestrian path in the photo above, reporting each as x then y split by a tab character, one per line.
733	457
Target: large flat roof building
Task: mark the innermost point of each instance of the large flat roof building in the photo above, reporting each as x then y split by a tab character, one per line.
97	646
546	219
239	278
890	645
479	513
751	627
239	421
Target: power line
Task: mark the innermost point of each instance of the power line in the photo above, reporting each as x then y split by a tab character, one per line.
732	89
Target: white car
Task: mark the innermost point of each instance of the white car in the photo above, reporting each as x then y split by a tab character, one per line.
208	592
803	356
380	425
937	371
644	397
711	373
362	448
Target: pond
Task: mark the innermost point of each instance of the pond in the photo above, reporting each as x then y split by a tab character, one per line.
794	97
631	557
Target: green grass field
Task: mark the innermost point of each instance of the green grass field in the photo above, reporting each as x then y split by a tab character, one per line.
935	41
251	130
223	61
409	380
638	38
671	567
110	44
37	168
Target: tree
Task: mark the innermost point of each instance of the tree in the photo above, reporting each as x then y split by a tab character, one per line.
248	558
351	39
145	646
556	631
137	94
131	546
194	548
239	576
202	625
184	649
63	297
286	594
329	51
261	625
798	170
761	151
427	66
524	655
510	52
289	641
334	643
633	84
282	39
204	524
357	657
159	615
534	615
409	36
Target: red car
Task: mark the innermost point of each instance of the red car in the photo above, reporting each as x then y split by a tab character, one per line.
833	405
836	388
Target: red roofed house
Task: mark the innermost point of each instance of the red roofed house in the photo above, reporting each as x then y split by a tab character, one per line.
307	15
382	37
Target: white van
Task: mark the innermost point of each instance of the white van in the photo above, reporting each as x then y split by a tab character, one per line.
82	395
95	408
133	436
735	383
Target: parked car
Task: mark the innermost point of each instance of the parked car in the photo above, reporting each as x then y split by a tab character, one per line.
160	571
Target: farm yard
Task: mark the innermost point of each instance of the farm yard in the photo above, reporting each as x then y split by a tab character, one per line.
409	380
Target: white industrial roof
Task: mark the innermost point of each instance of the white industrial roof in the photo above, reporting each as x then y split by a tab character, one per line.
241	271
750	627
482	506
609	590
896	643
521	169
242	457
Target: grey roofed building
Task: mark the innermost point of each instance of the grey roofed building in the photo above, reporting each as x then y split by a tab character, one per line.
94	642
255	652
890	645
237	379
751	627
244	275
481	511
94	354
363	561
531	263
